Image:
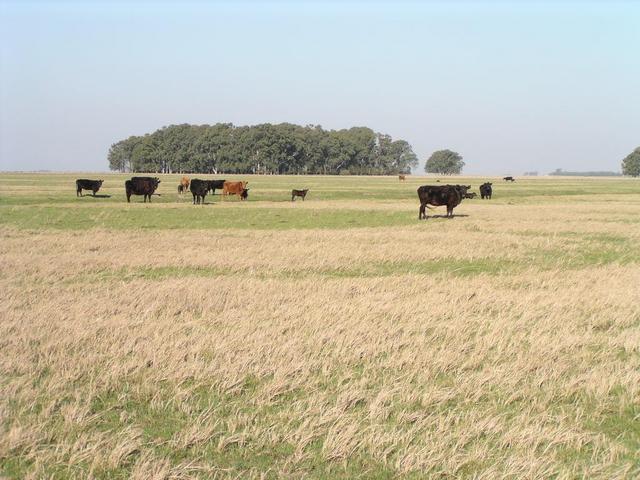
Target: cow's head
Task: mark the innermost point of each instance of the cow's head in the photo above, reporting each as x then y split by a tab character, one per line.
100	182
244	194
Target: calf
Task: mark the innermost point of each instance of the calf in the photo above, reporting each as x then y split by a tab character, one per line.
185	183
141	186
84	184
299	193
402	178
486	190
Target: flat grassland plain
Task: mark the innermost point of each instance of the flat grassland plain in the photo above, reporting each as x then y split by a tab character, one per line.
335	338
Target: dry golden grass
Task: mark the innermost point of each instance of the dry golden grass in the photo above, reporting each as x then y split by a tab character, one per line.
505	344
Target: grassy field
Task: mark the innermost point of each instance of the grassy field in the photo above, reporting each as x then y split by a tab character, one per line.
335	338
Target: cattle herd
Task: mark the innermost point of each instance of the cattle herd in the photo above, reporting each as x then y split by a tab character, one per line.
449	196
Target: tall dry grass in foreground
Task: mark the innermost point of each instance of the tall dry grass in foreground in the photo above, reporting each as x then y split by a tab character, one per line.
478	348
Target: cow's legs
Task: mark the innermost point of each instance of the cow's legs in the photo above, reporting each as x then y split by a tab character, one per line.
422	213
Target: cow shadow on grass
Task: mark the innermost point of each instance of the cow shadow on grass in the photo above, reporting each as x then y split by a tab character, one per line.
97	196
444	216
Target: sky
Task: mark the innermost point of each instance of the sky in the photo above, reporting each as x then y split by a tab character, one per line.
513	86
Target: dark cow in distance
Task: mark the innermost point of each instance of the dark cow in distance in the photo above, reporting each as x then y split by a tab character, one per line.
447	195
298	193
141	186
470	195
85	184
509	179
235	188
486	190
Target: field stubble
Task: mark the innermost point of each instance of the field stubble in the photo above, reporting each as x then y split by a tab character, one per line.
505	344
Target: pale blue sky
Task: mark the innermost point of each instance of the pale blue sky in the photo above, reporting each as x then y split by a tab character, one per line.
513	86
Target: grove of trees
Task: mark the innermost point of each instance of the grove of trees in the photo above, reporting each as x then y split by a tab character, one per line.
277	149
445	162
631	164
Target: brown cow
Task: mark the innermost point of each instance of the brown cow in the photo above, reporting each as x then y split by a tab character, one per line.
402	178
235	188
185	184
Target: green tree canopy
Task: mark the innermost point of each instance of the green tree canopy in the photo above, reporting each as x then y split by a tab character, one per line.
445	162
631	163
265	148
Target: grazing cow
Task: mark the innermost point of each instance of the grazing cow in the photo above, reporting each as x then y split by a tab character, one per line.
185	183
486	190
402	178
235	188
298	193
199	189
449	195
84	184
509	179
141	186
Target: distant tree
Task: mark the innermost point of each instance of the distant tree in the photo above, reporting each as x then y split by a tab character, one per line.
445	162
631	164
120	154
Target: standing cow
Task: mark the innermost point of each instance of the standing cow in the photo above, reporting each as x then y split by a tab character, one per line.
235	188
509	179
85	184
199	189
486	190
215	184
298	193
141	186
447	195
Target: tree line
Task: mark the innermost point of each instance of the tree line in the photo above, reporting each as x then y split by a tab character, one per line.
270	149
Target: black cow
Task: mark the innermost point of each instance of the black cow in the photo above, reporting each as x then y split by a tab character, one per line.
509	179
213	184
470	195
298	193
486	190
84	184
141	186
199	189
449	195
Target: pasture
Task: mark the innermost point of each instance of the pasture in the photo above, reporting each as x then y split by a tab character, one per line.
338	337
